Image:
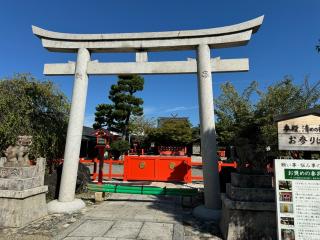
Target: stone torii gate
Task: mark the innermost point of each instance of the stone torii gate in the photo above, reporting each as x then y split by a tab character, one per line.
141	43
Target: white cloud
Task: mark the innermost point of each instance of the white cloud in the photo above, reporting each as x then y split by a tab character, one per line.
156	111
175	109
180	108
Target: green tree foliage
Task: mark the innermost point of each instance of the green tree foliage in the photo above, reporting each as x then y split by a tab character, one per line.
172	133
250	126
31	107
283	97
196	133
119	147
140	127
116	116
234	113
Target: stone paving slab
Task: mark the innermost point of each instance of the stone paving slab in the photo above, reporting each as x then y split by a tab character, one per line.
129	233
77	238
160	231
127	224
125	229
103	238
92	228
142	217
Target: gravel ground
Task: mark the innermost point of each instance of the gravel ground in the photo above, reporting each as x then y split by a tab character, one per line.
47	227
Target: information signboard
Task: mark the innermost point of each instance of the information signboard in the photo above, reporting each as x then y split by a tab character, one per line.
300	133
298	199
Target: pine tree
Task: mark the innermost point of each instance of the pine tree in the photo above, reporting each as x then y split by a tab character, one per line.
116	116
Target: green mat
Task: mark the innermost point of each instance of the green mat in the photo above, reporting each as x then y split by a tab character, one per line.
142	190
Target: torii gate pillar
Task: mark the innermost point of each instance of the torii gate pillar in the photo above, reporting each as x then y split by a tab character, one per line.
77	112
207	129
67	201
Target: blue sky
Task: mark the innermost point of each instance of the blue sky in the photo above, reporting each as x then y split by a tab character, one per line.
285	44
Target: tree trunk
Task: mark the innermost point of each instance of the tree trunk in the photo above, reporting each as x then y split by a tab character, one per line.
125	132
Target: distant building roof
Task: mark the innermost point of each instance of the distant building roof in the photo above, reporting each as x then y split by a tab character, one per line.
161	120
88	133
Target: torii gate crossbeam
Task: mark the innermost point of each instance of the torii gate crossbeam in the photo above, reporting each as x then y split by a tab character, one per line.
141	43
171	67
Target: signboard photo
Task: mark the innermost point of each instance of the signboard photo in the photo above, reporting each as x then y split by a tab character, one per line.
298	199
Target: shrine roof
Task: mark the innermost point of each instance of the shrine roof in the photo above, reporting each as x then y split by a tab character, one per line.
311	111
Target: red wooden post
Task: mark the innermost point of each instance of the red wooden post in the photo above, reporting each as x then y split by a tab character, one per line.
125	168
101	160
188	177
94	169
110	169
101	145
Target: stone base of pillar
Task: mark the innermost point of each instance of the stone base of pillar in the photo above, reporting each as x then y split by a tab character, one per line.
206	214
65	207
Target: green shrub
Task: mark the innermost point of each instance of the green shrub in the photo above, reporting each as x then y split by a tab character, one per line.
119	147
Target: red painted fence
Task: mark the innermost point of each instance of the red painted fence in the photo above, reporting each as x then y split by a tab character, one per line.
152	168
149	168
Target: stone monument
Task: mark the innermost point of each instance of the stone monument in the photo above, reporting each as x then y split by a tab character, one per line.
22	190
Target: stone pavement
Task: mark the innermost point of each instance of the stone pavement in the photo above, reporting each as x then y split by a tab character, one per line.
125	216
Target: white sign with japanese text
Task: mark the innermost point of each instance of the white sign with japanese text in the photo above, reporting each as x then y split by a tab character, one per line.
298	199
301	133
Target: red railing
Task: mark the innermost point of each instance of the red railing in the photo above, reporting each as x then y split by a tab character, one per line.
172	151
136	151
221	165
196	178
157	168
109	175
